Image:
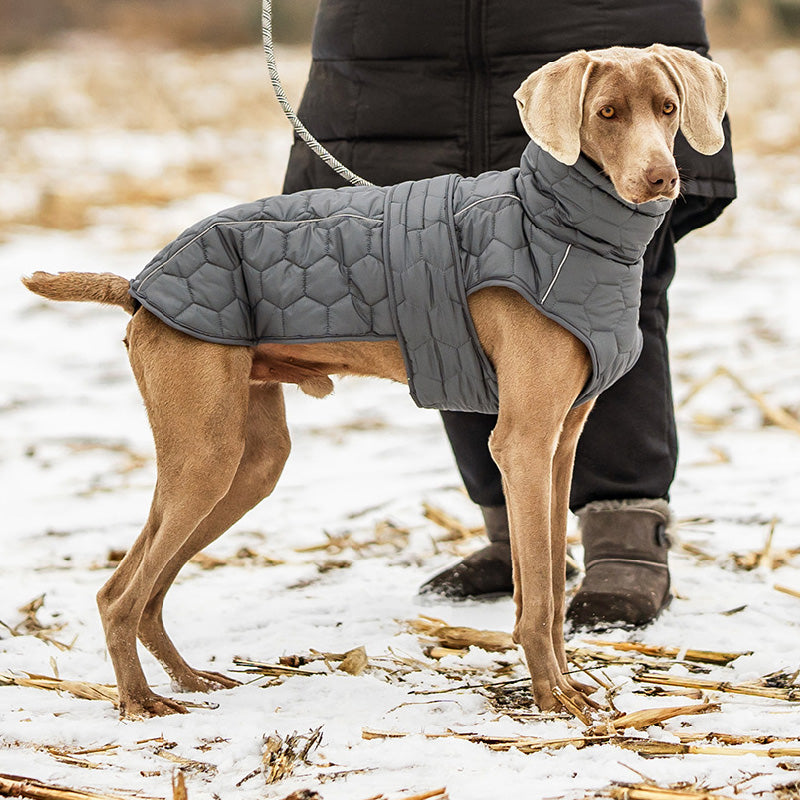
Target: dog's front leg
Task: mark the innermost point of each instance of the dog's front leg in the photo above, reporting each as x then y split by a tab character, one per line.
563	463
524	447
541	369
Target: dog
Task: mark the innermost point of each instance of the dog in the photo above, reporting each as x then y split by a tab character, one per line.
217	410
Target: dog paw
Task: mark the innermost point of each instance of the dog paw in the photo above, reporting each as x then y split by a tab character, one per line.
576	703
582	688
152	705
203	681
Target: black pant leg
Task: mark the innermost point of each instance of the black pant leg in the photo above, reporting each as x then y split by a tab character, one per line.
469	437
629	447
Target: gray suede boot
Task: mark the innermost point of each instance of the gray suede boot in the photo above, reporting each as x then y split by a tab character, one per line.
625	552
485	573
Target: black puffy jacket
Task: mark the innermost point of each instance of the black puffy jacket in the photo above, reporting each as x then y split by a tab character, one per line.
406	90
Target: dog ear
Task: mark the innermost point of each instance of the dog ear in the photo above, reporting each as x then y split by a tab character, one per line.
550	104
703	94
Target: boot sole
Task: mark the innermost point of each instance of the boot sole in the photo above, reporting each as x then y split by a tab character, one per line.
596	624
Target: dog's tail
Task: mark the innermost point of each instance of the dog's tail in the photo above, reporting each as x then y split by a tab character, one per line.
93	287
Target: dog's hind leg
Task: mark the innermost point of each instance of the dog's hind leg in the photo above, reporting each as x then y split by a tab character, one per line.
266	449
196	396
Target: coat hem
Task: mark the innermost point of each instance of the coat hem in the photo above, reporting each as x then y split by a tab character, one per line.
254	342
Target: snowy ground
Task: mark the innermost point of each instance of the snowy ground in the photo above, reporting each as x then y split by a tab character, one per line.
93	184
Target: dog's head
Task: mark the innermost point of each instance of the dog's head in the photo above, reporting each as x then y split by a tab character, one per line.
622	107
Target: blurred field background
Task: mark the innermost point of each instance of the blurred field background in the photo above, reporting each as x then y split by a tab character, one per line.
112	107
122	122
208	23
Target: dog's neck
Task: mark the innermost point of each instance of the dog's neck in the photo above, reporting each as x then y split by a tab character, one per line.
611	226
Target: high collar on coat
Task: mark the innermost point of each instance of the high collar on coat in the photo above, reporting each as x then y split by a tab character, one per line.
554	196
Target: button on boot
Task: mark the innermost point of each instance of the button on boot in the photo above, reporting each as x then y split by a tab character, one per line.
485	573
625	553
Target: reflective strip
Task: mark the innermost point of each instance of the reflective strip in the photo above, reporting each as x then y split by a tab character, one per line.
483	200
558	272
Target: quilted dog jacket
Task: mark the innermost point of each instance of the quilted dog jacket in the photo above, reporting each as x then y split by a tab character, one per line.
398	262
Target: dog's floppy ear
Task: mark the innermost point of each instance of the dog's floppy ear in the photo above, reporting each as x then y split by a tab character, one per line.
550	104
703	94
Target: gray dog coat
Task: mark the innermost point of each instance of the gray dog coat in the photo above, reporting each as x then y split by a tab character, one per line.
399	262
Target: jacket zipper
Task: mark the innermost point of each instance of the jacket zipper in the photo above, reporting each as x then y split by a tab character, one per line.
477	145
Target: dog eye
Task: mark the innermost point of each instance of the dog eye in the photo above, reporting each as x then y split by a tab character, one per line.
669	107
607	112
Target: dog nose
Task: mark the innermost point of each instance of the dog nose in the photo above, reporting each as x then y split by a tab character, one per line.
662	177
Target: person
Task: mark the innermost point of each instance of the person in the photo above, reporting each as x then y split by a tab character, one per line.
401	91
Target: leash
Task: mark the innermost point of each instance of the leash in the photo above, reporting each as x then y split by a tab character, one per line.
300	129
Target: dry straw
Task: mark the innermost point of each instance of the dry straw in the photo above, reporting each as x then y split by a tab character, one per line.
84	690
354	662
774	415
386	535
179	787
658	651
790	693
459	638
18	786
455	530
643	745
646	791
31	626
81	689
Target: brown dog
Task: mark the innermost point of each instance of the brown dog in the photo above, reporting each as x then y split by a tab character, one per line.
217	410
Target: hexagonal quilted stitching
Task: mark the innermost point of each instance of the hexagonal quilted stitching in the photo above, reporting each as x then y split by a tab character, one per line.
399	263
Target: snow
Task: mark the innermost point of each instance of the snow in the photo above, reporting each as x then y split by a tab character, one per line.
76	473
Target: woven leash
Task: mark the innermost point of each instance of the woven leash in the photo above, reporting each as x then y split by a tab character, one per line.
302	131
